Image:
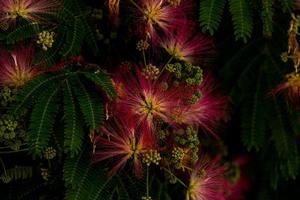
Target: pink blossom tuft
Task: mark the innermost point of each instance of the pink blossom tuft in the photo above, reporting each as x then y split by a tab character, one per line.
16	68
206	181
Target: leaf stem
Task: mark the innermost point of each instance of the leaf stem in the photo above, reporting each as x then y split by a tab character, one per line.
136	5
144	58
147	184
3	166
8	152
177	179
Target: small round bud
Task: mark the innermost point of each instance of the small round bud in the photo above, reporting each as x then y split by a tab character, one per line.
151	72
46	39
142	45
50	153
151	156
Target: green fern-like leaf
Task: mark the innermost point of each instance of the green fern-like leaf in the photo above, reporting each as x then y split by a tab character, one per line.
85	181
242	19
23	32
279	133
73	126
90	103
253	119
90	37
16	173
211	14
122	192
74	38
73	167
102	80
42	120
267	17
25	98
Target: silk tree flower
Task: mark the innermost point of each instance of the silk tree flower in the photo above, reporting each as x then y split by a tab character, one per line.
185	46
291	88
31	10
158	16
205	112
205	181
237	183
122	141
146	101
16	68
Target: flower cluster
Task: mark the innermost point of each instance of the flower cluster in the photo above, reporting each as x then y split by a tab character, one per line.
162	109
291	86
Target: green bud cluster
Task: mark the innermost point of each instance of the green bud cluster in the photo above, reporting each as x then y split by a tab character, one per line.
142	45
151	72
189	139
50	153
12	133
151	156
195	97
7	96
177	156
192	75
163	134
8	127
46	39
176	69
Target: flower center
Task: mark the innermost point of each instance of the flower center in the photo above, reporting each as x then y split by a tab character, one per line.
151	14
20	77
175	52
135	148
16	11
149	106
294	80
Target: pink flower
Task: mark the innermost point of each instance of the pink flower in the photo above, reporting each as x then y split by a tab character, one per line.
156	16
16	68
31	10
291	88
206	181
122	141
207	111
145	101
183	45
237	183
